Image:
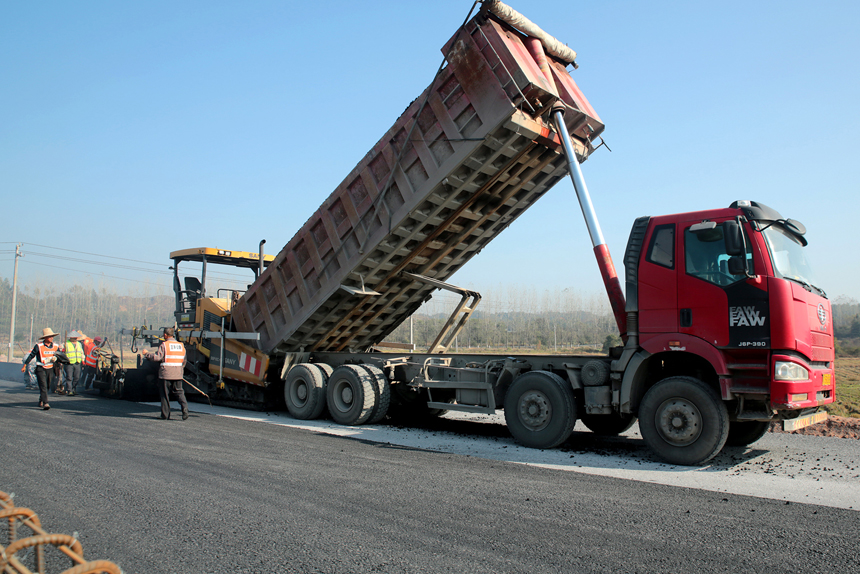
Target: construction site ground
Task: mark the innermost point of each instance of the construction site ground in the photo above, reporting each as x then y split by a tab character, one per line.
238	491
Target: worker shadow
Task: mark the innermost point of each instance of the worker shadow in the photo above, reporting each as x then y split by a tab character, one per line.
22	390
72	407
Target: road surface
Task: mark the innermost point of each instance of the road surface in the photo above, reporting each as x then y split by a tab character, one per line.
235	491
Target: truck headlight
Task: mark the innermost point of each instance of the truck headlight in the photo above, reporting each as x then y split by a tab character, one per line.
785	371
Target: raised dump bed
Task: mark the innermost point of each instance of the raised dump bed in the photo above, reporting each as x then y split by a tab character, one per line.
426	198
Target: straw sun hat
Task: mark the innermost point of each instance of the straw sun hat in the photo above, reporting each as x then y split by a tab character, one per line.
48	332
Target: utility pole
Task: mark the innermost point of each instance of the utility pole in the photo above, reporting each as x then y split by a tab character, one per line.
14	302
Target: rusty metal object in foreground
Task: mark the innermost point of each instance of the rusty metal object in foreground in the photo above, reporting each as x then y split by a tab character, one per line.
39	538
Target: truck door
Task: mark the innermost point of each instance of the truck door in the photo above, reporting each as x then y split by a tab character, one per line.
710	299
657	283
702	301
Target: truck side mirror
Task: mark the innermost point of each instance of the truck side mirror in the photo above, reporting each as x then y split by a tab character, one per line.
737	265
734	240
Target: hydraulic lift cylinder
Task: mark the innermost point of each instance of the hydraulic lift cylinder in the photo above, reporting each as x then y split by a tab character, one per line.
601	251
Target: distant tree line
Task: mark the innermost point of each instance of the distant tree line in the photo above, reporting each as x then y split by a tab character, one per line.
508	317
846	322
102	311
515	317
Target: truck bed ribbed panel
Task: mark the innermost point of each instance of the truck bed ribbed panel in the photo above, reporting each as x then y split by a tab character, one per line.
479	155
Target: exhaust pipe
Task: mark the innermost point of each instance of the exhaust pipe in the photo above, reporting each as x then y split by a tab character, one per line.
262	267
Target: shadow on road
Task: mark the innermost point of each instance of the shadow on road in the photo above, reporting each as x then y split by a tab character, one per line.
79	406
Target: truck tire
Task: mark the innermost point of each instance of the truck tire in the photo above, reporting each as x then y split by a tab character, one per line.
305	391
608	425
351	395
743	433
325	367
540	409
383	393
683	421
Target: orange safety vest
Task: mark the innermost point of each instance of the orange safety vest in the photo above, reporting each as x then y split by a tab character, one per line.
46	356
92	356
174	353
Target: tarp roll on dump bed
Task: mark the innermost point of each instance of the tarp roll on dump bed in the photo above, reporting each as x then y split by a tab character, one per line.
482	152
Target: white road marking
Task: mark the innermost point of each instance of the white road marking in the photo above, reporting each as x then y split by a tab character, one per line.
791	468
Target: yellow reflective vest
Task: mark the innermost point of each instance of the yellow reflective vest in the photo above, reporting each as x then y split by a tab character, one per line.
74	351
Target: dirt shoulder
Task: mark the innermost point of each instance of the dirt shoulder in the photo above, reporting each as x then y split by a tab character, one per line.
836	427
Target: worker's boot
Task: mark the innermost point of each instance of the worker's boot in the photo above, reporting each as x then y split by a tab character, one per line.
184	414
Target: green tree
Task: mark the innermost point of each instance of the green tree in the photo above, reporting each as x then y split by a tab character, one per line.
611	341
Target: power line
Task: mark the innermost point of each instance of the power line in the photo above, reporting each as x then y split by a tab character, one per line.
97	274
96	254
104	264
215	275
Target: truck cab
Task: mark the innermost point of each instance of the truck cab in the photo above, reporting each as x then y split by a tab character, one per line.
728	297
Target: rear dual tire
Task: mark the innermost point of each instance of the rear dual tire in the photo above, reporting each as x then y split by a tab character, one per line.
351	394
305	391
382	393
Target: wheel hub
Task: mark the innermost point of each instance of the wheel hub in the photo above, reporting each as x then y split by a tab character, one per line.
535	410
679	422
302	392
346	394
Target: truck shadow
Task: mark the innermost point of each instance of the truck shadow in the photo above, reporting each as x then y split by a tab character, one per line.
610	451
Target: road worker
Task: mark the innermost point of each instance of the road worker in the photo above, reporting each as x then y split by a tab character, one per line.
45	353
75	353
91	361
171	355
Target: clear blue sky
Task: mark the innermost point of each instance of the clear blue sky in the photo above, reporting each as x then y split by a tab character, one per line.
133	129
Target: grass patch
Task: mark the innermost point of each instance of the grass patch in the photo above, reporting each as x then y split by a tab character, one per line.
847	388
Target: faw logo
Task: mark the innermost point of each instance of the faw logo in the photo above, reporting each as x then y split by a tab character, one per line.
745	317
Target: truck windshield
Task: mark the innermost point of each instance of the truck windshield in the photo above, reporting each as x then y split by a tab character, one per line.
788	257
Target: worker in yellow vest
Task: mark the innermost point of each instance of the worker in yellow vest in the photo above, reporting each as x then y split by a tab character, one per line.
75	353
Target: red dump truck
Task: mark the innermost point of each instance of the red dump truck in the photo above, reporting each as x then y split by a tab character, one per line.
723	326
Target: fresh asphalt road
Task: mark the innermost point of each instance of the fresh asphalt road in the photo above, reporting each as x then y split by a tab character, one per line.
235	494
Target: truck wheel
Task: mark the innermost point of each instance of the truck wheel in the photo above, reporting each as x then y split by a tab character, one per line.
742	433
683	421
305	391
608	425
351	395
383	393
540	409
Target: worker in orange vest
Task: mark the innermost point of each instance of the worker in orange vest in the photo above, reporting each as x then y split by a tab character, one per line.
45	353
91	361
171	355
